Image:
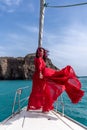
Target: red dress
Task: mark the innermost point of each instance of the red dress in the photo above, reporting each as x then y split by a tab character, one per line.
46	91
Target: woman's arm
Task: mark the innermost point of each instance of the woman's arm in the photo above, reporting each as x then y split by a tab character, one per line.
39	67
41	75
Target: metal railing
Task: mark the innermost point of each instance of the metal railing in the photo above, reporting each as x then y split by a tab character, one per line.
18	100
61	102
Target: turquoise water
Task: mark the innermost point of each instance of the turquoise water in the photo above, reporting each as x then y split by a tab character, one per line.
7	93
9	87
76	111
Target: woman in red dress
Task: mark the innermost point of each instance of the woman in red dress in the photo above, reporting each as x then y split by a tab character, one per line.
48	84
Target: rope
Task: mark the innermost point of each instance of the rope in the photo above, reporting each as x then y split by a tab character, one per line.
64	6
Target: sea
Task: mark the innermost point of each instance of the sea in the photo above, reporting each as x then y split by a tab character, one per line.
8	90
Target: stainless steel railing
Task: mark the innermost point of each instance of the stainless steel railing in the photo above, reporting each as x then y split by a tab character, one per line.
18	100
61	103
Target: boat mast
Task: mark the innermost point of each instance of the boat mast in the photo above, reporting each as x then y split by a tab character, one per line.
41	22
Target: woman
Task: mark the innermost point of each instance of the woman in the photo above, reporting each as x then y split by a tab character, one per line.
48	84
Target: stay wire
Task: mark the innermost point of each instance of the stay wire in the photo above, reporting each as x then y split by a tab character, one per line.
64	6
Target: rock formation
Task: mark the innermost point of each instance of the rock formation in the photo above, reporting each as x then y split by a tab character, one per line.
19	68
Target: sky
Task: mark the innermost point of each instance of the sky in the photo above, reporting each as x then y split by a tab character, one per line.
64	33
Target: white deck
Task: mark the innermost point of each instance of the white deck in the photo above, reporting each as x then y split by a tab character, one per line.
36	120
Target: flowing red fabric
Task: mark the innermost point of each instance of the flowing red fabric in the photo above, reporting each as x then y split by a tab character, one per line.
46	91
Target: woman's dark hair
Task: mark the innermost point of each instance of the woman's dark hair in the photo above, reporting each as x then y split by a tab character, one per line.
45	53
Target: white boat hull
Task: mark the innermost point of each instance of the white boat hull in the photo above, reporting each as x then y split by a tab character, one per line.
36	120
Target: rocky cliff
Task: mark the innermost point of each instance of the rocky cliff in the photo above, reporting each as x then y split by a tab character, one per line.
19	68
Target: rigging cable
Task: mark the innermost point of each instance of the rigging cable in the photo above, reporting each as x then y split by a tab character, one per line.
64	6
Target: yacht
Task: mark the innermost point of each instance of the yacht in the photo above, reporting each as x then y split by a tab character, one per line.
21	119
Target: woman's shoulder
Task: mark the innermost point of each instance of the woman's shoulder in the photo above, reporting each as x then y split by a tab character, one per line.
38	59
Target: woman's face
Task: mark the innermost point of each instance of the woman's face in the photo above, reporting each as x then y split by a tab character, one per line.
41	52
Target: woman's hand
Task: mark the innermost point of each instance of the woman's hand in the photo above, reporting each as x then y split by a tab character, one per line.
41	75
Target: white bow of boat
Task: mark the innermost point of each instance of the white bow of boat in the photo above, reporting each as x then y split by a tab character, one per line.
36	120
21	119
